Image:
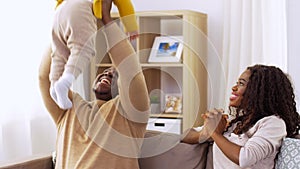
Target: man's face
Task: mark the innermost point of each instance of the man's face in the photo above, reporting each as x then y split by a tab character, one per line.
104	83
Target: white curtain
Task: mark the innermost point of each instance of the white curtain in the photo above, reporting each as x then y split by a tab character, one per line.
254	33
26	128
25	136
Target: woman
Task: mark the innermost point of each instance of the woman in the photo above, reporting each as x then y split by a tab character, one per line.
262	110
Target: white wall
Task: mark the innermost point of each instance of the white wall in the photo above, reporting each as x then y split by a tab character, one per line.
25	33
215	9
293	28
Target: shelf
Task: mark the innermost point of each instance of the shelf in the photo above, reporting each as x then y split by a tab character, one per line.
162	65
104	65
187	77
167	14
165	115
147	65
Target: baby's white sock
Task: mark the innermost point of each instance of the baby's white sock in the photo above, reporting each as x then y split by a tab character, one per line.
62	87
52	92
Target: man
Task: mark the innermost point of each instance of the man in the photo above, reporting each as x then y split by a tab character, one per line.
108	132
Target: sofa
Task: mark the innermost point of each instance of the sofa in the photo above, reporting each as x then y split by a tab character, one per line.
165	151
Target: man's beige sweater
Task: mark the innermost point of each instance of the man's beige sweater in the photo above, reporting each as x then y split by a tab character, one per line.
100	134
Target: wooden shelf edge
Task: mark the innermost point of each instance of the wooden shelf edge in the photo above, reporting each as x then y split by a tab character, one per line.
159	13
161	64
104	65
165	115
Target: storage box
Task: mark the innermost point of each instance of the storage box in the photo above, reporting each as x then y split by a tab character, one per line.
165	125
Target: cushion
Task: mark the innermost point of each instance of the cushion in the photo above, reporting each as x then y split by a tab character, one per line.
36	162
289	155
164	150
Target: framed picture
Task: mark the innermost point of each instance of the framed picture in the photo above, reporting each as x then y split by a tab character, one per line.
173	103
166	49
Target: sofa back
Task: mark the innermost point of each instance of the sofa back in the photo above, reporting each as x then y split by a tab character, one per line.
164	150
180	155
176	155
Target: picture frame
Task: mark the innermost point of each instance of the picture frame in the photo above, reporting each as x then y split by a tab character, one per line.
173	103
166	49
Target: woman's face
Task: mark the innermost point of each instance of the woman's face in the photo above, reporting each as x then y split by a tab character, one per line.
239	88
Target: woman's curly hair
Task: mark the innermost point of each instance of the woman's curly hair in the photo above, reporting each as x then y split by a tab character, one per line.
269	92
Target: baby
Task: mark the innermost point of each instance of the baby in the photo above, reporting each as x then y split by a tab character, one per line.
74	25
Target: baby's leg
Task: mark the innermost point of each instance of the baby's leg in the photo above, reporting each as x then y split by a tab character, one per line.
62	87
56	71
81	36
78	27
60	51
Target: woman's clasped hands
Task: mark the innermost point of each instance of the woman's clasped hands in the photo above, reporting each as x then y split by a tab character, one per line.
215	122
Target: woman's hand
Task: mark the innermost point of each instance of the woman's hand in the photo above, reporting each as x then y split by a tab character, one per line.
215	121
222	124
192	136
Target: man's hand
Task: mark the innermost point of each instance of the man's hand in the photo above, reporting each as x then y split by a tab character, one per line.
106	8
133	35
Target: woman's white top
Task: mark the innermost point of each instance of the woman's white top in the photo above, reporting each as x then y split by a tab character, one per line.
259	145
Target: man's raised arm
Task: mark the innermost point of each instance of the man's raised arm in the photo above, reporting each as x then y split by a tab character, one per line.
132	84
44	84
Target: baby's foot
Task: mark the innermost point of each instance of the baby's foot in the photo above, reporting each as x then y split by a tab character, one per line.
63	100
53	93
61	88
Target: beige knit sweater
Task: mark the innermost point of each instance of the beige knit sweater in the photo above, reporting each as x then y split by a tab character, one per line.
100	134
